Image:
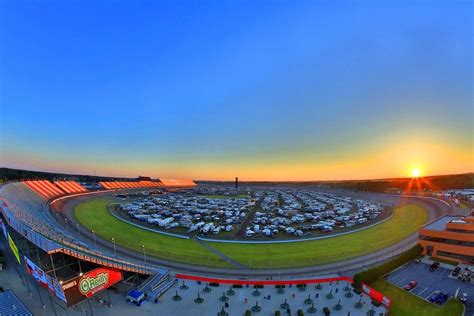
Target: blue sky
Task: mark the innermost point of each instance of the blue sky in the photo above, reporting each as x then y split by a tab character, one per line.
262	89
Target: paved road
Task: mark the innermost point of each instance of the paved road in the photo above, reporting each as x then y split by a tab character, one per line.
250	215
435	208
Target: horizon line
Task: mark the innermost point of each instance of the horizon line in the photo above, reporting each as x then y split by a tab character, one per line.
252	181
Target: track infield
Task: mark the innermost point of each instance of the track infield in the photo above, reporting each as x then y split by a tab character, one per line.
94	215
405	220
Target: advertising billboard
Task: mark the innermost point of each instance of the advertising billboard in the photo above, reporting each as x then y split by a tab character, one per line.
90	283
36	272
14	248
44	279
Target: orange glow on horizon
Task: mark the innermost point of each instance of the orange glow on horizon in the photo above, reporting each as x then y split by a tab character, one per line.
387	158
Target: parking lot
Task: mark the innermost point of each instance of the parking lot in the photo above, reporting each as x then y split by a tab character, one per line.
429	282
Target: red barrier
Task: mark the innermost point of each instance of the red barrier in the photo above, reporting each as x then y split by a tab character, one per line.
376	295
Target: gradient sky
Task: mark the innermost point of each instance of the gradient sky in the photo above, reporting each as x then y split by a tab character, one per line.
263	90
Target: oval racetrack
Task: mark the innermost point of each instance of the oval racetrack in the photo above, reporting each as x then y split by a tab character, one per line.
337	254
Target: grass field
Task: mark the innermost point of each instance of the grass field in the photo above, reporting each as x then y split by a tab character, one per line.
95	216
406	304
406	220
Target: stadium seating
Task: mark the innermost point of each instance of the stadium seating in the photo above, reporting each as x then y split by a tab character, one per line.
114	185
175	183
70	187
27	205
45	188
172	183
150	184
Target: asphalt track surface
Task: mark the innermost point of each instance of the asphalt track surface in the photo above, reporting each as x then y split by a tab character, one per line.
434	207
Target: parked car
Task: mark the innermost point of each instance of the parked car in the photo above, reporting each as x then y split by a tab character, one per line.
434	266
463	298
456	271
442	299
438	297
411	285
466	275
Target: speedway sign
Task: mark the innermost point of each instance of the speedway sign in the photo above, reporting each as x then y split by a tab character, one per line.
97	280
92	282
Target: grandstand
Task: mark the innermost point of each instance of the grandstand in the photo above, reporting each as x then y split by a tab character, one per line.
175	183
162	183
150	184
114	185
45	188
27	205
70	187
27	211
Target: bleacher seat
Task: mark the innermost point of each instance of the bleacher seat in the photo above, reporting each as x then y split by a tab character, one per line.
45	188
113	185
176	183
70	187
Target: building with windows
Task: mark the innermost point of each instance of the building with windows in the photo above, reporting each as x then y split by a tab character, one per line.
449	237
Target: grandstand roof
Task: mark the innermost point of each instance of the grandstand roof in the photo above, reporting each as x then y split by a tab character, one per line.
11	305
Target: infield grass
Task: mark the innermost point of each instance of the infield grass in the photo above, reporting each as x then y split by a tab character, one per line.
405	220
407	304
94	215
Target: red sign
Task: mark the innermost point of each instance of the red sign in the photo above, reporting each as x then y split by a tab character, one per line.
98	280
375	295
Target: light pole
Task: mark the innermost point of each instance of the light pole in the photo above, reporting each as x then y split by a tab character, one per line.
144	253
115	249
78	231
93	234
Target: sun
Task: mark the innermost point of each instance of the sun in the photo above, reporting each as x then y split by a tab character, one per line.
415	172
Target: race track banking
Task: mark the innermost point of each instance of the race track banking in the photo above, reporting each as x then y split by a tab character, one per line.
434	208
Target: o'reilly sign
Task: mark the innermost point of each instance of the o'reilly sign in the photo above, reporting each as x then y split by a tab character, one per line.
88	284
97	280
